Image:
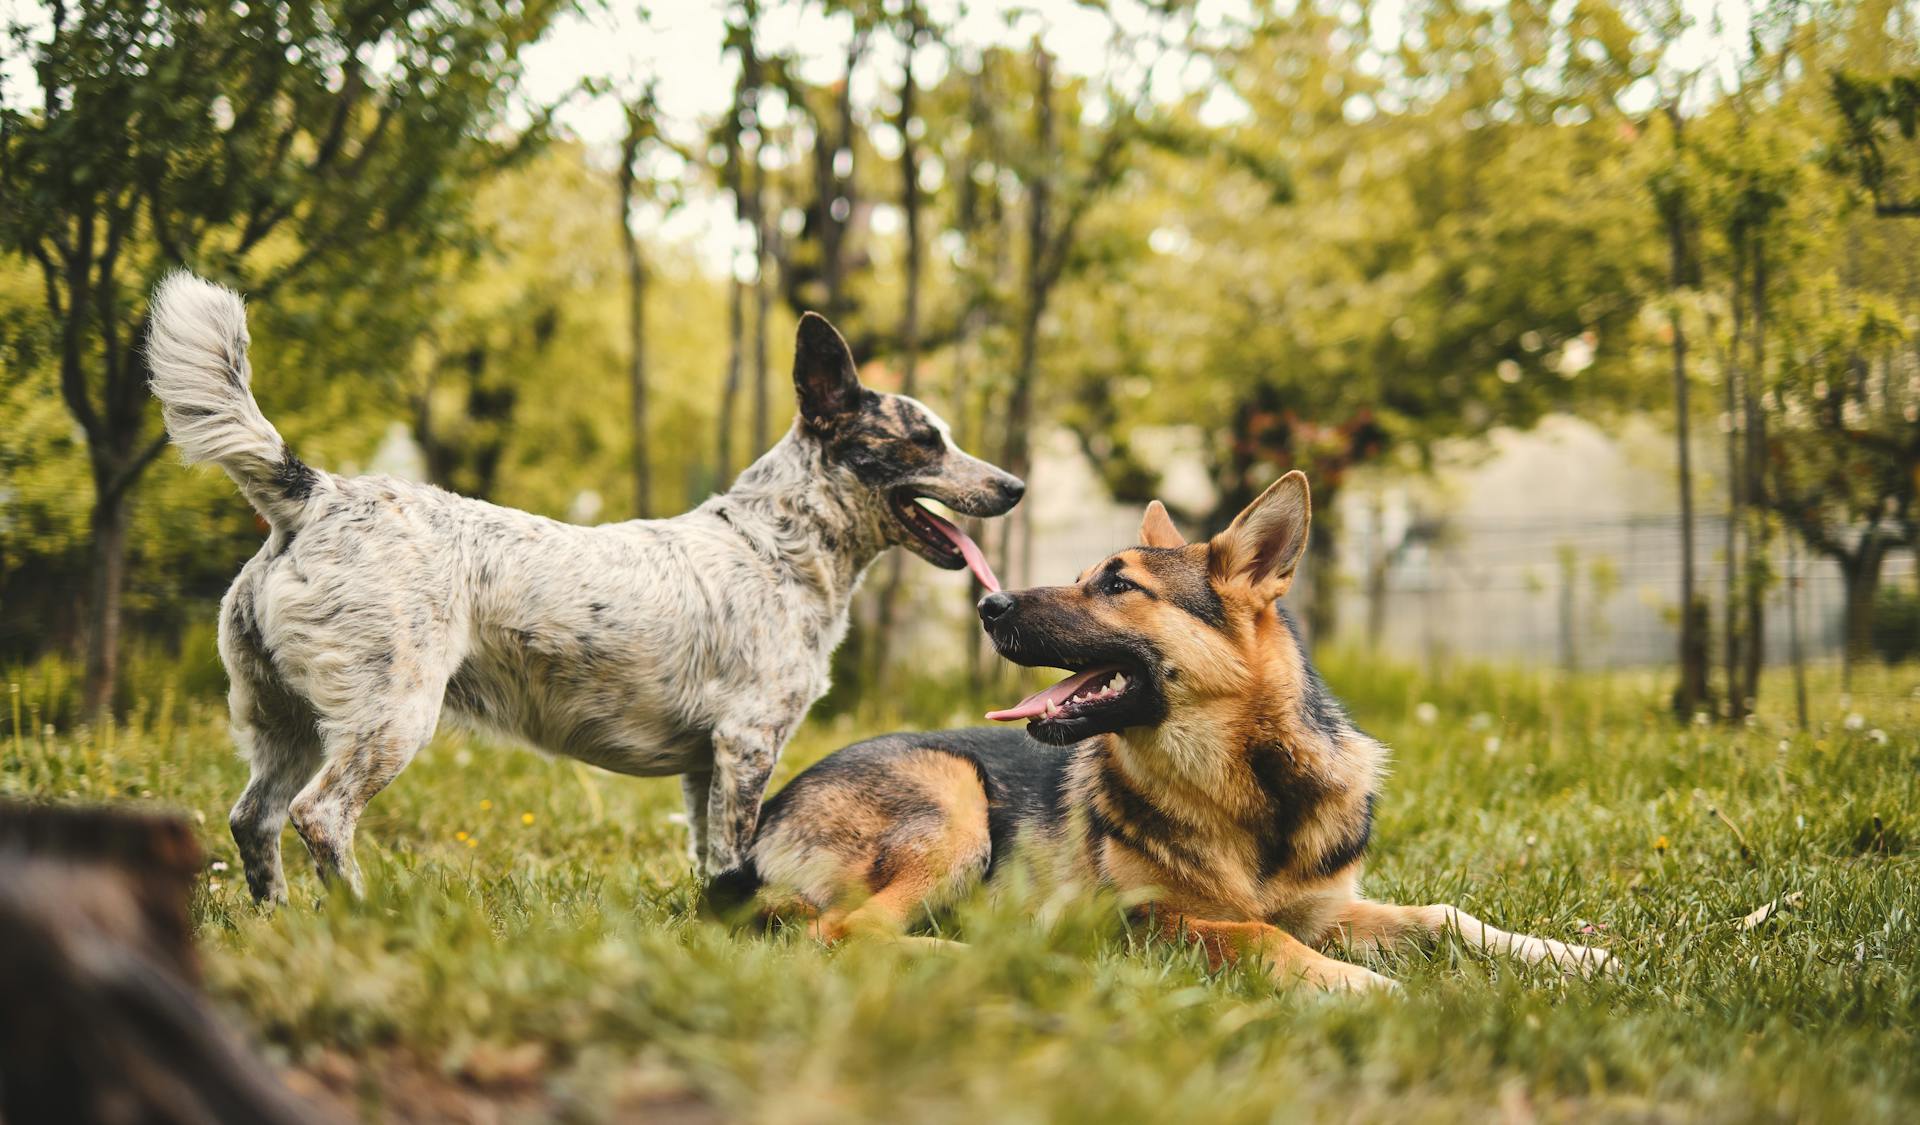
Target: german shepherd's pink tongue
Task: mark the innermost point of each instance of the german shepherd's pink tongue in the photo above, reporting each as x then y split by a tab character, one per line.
1047	700
969	550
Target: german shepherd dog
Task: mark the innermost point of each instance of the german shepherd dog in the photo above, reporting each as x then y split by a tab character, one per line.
1193	753
690	646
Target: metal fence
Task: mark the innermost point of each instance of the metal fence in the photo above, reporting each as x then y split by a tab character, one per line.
1582	594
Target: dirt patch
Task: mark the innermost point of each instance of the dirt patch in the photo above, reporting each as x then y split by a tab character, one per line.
494	1086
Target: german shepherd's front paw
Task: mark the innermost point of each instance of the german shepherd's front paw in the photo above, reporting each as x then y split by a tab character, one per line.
1584	961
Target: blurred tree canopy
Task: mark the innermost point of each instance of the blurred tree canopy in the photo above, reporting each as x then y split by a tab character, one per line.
1319	238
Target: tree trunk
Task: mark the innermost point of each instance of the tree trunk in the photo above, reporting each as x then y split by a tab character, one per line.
636	320
755	179
1691	694
762	300
730	390
1758	560
909	341
837	198
1019	448
1377	564
1736	492
1860	572
1323	550
1795	652
107	580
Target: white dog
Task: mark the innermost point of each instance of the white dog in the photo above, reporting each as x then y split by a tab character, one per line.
690	646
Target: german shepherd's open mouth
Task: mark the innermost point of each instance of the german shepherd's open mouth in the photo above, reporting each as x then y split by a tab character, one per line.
1115	680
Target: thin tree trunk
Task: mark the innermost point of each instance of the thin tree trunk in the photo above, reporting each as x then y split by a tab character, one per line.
1795	652
1736	492
736	306
1019	450
1758	539
107	580
1377	563
1860	572
838	197
636	319
1323	550
762	302
730	390
1691	693
909	339
754	178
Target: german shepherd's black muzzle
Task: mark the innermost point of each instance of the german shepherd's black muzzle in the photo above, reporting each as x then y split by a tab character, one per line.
1118	672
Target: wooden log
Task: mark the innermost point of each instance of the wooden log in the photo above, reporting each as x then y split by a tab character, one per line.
101	1014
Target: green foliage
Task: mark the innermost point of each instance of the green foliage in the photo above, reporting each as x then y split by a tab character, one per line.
557	965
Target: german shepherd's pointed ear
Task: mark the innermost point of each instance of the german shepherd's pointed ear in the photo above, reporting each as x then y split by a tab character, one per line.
1157	530
824	378
1263	545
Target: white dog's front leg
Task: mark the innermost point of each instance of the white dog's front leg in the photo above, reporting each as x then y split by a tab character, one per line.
697	788
742	762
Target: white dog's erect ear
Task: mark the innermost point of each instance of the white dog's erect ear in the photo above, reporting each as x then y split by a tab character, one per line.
824	378
1264	544
1156	528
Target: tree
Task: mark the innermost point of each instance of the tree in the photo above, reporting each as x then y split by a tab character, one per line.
255	143
911	28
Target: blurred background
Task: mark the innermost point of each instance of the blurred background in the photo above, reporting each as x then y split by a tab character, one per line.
1595	323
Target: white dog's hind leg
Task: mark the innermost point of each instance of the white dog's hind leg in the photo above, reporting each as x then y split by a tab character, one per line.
283	750
360	762
276	731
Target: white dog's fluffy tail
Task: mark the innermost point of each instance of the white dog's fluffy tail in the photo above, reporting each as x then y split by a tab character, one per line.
197	350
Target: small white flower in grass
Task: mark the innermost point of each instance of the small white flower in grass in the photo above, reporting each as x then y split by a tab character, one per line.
218	865
1856	721
1785	746
1878	735
1493	744
1701	718
1480	721
1800	822
1426	713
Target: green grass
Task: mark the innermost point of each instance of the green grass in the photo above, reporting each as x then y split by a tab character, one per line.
554	965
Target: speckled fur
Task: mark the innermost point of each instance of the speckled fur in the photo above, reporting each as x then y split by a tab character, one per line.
689	646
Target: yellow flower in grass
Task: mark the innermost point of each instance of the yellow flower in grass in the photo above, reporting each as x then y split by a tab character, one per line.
472	843
460	836
526	818
1661	844
486	806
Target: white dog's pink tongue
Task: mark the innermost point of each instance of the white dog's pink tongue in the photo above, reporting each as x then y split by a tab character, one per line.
969	550
1046	699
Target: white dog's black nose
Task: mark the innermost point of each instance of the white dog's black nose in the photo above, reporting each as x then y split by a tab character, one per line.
994	606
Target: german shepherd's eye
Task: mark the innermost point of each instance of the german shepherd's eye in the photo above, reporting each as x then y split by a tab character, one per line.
928	438
1113	585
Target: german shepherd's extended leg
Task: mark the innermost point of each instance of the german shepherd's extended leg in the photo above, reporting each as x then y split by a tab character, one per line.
1287	958
1380	924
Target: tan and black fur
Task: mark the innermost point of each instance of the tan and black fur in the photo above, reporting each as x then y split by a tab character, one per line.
1223	776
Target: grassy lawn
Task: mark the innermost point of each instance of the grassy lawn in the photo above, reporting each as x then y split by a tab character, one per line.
528	941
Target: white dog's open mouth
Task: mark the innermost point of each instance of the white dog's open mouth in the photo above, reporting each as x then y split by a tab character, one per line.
946	544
